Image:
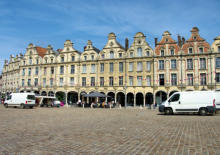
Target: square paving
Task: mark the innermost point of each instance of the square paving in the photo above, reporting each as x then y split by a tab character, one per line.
106	131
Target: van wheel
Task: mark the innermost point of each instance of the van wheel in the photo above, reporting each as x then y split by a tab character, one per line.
31	107
6	105
168	111
202	111
22	106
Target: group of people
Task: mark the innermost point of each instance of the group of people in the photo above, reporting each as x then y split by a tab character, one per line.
110	104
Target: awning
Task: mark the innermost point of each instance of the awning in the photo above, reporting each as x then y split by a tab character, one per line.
95	94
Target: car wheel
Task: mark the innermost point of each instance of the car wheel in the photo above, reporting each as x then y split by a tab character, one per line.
202	111
6	105
31	107
168	111
22	106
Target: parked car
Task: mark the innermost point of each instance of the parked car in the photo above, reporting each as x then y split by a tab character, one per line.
202	102
21	100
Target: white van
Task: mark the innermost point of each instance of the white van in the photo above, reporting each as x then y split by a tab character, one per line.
217	100
201	102
21	100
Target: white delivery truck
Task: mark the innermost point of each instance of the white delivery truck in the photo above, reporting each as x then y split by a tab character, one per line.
202	102
21	100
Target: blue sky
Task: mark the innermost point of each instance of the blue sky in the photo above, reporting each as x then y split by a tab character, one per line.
44	22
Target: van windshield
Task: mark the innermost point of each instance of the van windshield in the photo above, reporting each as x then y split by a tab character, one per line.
31	97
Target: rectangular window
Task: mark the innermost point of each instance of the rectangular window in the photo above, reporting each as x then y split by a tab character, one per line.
37	61
29	82
23	72
22	82
217	77
92	57
200	50
172	52
51	60
30	61
45	70
189	64
148	66
120	80
161	79
111	81
190	50
84	81
131	66
92	81
52	70
148	78
202	78
162	52
139	80
44	82
139	66
130	80
218	48
111	67
73	58
92	68
62	59
72	81
101	81
72	71
36	71
84	68
102	66
51	81
85	58
173	64
131	54
120	66
103	56
35	82
29	71
161	64
190	79
202	63
61	69
111	55
218	62
120	55
173	80
139	52
61	82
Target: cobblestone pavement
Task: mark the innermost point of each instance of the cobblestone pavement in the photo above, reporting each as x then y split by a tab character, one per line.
106	131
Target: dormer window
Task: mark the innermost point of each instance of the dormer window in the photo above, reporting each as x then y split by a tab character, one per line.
24	62
30	61
103	56
37	61
67	49
85	57
131	54
62	59
120	55
147	53
92	57
162	52
200	50
190	50
139	42
111	55
172	52
51	60
194	37
45	60
30	52
166	39
139	52
219	49
73	58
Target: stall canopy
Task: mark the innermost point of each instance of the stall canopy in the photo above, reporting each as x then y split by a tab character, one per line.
95	94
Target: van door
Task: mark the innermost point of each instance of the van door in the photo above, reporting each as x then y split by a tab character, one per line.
30	99
174	102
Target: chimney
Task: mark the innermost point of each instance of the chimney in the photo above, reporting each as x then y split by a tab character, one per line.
179	41
183	40
126	44
155	41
